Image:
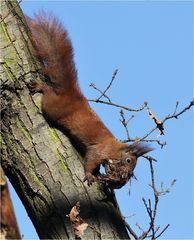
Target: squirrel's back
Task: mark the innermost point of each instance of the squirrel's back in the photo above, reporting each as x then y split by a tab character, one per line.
62	101
64	104
54	48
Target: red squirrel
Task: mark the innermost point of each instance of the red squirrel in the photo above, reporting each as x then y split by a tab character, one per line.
64	104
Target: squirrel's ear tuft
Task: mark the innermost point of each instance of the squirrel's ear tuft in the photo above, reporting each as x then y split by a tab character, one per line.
139	149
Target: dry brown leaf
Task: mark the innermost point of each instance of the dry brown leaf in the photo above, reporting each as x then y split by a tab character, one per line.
159	124
74	213
79	225
80	228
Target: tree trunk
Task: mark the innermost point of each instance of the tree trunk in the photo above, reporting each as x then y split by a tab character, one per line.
42	165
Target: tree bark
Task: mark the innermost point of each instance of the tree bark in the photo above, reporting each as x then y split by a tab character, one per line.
42	165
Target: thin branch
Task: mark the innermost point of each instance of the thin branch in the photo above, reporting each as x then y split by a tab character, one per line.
109	85
149	158
152	210
143	106
130	230
170	116
151	213
130	216
146	135
176	107
125	123
112	79
140	228
101	92
168	225
176	115
167	190
162	144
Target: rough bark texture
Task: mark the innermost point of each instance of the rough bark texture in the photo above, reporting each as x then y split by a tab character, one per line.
43	167
9	227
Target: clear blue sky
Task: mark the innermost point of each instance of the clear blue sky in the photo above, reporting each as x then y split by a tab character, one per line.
150	42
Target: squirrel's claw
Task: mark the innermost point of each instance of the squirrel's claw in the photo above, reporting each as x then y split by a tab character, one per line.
32	87
89	178
36	86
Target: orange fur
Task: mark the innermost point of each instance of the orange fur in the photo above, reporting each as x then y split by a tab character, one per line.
62	101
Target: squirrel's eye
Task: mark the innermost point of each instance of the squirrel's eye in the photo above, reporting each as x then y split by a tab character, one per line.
128	160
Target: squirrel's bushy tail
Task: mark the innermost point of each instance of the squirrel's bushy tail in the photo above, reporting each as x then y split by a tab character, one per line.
54	48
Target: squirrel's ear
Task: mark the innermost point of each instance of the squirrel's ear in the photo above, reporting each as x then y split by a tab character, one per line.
138	149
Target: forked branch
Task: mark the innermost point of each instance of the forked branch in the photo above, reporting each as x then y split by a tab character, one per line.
153	231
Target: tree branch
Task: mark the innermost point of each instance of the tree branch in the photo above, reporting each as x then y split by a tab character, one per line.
143	106
108	86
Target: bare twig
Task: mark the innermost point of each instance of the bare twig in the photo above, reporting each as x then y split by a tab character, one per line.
109	102
143	106
168	225
151	212
140	228
130	230
176	107
162	144
109	85
151	208
159	124
170	116
149	158
175	114
152	231
125	123
130	216
167	190
101	92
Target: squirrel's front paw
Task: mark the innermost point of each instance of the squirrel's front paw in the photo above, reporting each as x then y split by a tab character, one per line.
89	178
35	87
